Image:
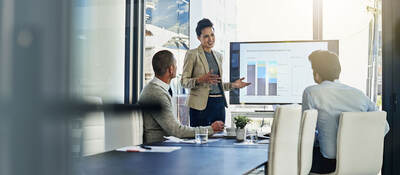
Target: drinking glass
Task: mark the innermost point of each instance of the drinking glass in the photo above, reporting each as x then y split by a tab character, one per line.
251	135
201	135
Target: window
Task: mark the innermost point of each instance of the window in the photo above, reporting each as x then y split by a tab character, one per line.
167	28
281	20
358	29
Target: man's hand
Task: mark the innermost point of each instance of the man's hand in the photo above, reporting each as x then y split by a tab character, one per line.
209	78
240	84
217	126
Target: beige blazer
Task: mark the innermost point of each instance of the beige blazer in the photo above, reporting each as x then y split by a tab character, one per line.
195	65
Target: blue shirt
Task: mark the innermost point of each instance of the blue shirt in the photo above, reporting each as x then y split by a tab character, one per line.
330	99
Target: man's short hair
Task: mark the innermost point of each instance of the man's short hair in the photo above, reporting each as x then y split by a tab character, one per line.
162	60
326	64
204	23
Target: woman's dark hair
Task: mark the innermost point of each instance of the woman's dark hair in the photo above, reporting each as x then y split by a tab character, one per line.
204	23
326	64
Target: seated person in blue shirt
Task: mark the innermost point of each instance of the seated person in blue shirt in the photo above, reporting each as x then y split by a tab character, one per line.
330	98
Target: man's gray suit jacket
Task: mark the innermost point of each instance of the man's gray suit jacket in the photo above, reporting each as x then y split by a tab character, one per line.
158	124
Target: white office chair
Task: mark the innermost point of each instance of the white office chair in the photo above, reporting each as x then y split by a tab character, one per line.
283	147
360	143
137	127
93	130
306	142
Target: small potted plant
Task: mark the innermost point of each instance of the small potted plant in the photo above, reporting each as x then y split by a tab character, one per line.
240	122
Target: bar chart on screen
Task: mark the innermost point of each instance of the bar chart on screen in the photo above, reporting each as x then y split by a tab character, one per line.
278	72
263	76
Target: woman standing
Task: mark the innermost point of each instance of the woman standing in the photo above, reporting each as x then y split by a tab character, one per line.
202	72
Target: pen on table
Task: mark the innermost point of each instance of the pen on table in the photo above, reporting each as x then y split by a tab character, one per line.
145	147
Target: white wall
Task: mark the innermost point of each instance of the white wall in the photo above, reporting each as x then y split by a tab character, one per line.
98	51
118	130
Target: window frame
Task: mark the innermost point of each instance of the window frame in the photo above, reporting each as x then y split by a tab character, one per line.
134	34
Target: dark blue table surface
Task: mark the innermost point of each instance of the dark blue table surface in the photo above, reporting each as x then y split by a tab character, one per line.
221	157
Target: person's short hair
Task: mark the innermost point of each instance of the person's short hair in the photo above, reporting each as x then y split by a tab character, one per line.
326	64
204	23
162	60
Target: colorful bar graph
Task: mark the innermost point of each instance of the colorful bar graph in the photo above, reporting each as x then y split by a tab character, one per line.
272	78
261	75
251	77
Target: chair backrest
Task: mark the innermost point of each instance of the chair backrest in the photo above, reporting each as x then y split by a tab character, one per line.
306	142
283	147
137	127
93	130
360	142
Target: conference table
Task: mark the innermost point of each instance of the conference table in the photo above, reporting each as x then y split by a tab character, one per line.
223	156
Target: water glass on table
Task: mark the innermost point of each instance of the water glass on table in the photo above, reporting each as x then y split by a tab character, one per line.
201	135
251	135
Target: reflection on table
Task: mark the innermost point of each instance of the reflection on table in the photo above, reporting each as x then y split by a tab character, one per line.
219	157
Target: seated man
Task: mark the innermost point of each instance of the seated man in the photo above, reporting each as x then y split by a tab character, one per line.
330	98
158	124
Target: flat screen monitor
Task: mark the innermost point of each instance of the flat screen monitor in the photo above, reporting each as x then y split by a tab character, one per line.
278	71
